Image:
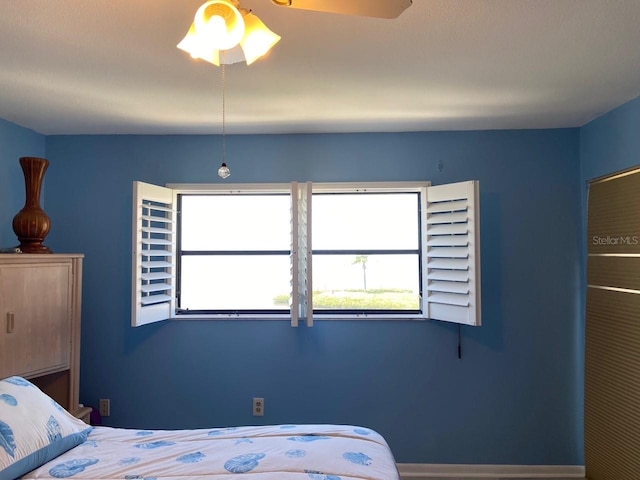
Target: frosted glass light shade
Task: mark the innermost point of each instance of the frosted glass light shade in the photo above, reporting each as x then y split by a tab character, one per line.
258	39
220	24
192	44
217	25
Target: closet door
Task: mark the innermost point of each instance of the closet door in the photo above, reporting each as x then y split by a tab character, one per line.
35	300
612	348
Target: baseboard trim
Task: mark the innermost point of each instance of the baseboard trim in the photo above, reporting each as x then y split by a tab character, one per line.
429	471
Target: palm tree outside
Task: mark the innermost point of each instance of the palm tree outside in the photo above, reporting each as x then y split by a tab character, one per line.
362	260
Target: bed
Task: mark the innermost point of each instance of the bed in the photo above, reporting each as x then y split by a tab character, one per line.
40	440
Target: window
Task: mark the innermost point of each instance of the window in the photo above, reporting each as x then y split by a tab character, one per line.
233	253
299	251
366	252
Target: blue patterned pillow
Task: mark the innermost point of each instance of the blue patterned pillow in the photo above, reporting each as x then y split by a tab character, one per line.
33	428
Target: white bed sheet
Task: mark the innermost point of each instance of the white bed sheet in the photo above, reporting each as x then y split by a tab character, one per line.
279	452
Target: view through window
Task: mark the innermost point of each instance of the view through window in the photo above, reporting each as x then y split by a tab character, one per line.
234	252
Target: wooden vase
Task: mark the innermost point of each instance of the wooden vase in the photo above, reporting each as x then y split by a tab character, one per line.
32	224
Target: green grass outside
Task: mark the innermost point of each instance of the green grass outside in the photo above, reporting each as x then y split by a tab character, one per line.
374	299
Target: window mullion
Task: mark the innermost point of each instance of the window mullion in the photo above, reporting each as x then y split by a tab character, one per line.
301	254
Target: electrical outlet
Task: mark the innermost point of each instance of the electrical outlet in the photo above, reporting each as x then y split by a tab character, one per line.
258	407
105	407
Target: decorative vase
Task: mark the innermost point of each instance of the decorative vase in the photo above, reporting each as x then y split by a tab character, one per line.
32	224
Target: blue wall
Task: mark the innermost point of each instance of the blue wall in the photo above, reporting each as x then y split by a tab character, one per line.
514	398
611	142
15	142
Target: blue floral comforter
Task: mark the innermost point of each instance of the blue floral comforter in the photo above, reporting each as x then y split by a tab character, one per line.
280	452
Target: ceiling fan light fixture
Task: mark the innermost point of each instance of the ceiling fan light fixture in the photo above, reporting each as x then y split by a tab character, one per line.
223	33
222	25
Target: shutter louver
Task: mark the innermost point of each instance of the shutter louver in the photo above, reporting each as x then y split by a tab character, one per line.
293	264
153	254
301	275
452	258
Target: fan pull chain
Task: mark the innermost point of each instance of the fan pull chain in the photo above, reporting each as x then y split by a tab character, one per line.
224	130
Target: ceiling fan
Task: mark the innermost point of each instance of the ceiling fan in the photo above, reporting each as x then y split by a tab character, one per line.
224	32
367	8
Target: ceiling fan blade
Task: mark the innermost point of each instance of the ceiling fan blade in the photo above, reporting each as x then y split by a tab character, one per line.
366	8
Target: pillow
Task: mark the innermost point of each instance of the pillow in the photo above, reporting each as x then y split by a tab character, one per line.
33	428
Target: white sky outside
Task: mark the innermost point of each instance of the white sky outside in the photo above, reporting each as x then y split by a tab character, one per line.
339	221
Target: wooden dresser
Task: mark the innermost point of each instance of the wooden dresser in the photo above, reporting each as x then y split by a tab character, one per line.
40	303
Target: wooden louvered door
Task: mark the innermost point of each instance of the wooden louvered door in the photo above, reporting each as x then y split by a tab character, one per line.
612	348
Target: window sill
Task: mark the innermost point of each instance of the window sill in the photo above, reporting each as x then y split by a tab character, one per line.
318	316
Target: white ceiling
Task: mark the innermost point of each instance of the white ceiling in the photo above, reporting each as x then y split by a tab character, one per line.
112	66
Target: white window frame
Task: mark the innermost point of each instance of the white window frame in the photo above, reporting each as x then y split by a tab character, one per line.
450	218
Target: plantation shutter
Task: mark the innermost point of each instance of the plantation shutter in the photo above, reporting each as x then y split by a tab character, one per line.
301	263
451	258
154	256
